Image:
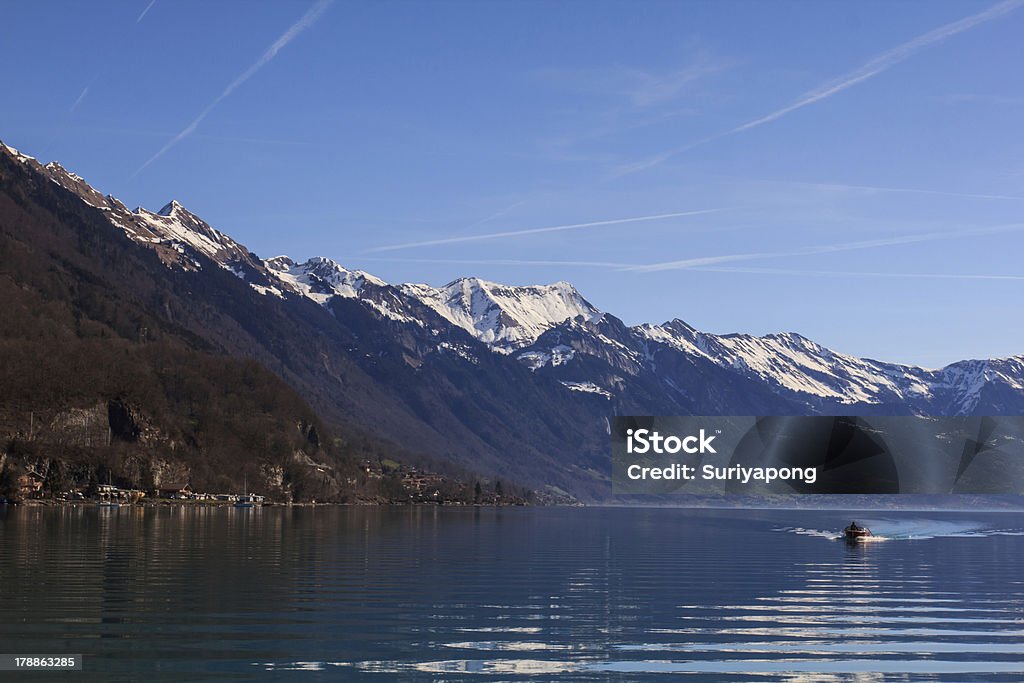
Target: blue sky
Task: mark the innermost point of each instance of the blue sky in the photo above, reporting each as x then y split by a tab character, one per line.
849	171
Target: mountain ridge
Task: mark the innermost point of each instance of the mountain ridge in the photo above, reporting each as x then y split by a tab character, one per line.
175	209
511	317
195	225
476	371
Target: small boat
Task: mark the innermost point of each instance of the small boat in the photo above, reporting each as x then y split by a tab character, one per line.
855	532
245	500
108	495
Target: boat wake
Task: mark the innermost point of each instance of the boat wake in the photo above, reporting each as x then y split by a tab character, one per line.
910	529
800	531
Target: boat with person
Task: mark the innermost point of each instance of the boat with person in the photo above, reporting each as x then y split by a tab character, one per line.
855	532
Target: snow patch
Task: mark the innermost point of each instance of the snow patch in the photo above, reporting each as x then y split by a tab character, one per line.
557	355
16	154
587	388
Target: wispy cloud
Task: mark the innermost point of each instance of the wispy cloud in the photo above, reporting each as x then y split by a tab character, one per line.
639	88
146	11
621	98
868	70
307	20
703	261
651	90
537	231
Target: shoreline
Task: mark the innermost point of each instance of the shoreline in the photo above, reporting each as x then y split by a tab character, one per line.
229	504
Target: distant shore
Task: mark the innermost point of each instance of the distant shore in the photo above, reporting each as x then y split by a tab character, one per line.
226	504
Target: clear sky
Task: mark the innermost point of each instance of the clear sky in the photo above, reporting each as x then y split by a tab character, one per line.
850	171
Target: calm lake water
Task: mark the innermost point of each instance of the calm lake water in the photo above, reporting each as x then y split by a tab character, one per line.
513	594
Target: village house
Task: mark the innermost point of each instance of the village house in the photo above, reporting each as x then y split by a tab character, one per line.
177	490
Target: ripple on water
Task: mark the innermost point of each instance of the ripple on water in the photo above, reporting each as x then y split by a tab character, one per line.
581	595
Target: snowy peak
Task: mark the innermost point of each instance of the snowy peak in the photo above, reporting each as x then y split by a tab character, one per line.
174	211
56	168
791	362
15	153
180	237
176	222
75	183
281	262
335	274
321	278
967	380
173	207
503	316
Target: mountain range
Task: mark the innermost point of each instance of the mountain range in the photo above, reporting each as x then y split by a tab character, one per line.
511	381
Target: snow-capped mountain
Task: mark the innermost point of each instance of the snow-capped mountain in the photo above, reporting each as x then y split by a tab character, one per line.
321	278
511	320
175	233
504	317
793	363
474	370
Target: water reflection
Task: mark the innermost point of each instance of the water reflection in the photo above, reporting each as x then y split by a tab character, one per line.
435	594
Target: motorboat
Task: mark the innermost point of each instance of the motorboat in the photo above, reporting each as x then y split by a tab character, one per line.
856	532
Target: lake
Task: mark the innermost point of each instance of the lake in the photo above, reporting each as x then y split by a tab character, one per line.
480	594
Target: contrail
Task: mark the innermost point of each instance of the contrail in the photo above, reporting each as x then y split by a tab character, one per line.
148	7
836	185
85	91
307	20
536	231
497	214
699	262
843	273
78	101
894	190
832	87
505	262
92	80
206	136
884	61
